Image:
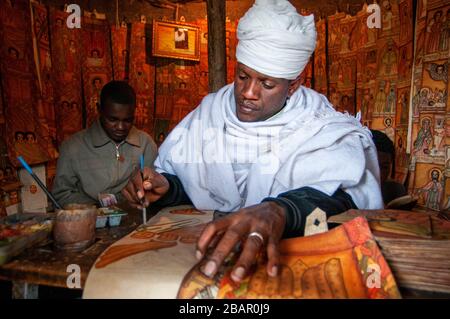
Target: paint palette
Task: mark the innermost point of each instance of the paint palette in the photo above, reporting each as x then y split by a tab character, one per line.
109	215
21	231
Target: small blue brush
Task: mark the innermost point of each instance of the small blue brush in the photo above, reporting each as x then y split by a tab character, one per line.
144	209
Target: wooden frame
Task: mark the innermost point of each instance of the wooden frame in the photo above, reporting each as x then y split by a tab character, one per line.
176	40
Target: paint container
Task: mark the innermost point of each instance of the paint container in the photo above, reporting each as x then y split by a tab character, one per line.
101	221
74	228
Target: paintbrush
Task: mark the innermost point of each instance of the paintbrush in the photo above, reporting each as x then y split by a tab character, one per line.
144	209
41	185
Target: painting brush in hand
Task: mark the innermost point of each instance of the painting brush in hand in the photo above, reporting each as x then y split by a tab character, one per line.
41	185
144	209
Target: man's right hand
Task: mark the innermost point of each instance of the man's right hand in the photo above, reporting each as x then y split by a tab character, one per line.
143	189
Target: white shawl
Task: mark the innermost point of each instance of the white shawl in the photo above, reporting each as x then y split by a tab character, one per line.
308	143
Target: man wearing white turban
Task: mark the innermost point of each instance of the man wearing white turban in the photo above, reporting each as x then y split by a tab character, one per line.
264	149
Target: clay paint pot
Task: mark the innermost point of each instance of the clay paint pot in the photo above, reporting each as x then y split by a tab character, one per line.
74	227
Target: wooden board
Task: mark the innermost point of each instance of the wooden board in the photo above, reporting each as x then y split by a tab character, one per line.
158	261
150	262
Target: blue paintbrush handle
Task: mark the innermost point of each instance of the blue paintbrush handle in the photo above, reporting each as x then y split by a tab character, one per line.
41	185
141	161
25	165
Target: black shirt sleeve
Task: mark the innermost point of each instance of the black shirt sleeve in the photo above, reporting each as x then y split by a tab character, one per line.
176	194
299	203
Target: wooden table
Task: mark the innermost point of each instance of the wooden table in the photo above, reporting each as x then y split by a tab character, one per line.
45	265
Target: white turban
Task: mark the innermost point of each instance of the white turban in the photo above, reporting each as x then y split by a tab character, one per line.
275	40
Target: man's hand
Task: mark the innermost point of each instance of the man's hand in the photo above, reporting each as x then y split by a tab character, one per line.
143	189
266	219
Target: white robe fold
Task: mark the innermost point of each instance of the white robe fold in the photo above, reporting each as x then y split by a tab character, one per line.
225	164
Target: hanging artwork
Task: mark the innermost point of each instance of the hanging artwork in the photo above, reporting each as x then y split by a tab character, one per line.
231	42
176	40
96	63
142	76
25	134
120	52
203	80
320	59
161	131
431	192
43	62
406	21
165	86
429	134
66	65
405	63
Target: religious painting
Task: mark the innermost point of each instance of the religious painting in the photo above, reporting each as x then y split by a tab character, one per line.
347	72
305	273
439	136
96	82
367	103
359	37
434	92
120	52
142	77
334	35
97	69
389	128
161	131
420	40
380	98
405	62
347	102
406	21
438	31
202	73
21	87
429	186
346	25
389	17
369	71
387	63
423	142
402	112
391	99
429	139
320	75
306	75
321	34
401	157
44	72
66	69
334	96
231	42
334	66
176	40
447	161
320	59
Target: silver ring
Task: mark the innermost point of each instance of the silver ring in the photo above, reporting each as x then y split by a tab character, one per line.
256	234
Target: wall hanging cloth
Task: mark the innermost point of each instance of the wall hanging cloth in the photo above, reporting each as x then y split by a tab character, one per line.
142	76
96	67
120	52
26	127
66	58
